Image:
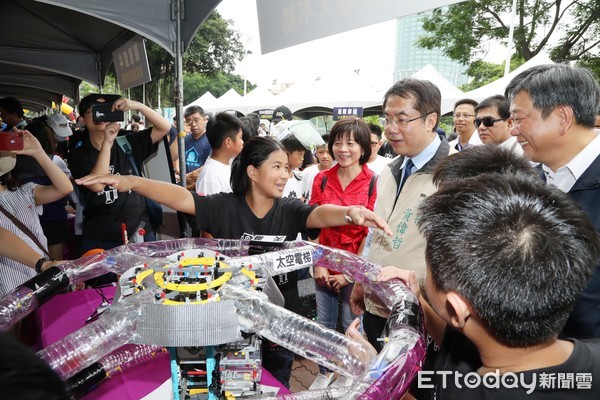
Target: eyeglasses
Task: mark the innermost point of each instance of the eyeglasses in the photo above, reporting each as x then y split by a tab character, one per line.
401	122
373	144
464	116
196	121
487	121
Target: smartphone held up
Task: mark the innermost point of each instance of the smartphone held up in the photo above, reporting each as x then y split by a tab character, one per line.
103	112
11	140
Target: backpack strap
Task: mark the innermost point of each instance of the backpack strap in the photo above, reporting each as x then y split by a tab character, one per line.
25	230
372	184
125	147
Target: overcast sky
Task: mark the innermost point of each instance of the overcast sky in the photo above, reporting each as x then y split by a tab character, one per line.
369	49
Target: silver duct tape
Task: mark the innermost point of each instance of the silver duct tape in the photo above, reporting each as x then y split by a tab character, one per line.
188	325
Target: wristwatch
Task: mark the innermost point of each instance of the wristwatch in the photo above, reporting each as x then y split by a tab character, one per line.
347	217
39	264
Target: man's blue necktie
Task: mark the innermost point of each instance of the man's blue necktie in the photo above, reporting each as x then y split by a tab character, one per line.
408	170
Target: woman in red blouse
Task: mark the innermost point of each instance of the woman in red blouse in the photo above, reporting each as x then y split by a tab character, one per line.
349	182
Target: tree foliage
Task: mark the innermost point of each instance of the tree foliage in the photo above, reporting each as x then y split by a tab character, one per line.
213	53
566	29
195	85
483	72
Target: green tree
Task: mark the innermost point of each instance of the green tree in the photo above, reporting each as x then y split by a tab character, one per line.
214	50
195	85
483	72
568	30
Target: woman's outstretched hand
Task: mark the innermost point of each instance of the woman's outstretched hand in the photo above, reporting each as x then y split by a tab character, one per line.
362	216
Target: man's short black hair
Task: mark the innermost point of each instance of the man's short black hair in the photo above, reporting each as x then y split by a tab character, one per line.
465	101
427	96
221	126
553	85
498	101
23	375
12	105
476	160
193	110
375	129
518	250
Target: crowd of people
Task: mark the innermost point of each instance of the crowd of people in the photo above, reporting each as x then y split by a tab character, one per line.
496	231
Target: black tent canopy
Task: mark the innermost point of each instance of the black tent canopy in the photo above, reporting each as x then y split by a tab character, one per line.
48	47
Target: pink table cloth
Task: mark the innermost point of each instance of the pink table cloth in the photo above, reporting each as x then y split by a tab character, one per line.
68	312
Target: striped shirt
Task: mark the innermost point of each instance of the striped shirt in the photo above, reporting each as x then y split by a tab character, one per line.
21	204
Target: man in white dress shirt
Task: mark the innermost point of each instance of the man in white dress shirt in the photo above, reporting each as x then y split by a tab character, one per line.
464	115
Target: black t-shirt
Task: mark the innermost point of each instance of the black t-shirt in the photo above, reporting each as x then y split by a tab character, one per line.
386	150
105	211
572	379
227	216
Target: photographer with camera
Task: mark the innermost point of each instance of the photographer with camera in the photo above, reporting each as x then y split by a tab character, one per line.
109	217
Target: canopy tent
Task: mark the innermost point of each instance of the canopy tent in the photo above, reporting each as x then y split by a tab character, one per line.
66	41
330	91
259	99
204	101
306	98
498	86
450	93
228	101
18	78
285	23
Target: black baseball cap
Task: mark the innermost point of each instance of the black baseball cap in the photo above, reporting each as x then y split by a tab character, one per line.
281	112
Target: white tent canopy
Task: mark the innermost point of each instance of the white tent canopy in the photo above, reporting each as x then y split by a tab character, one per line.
329	92
205	101
450	93
228	101
324	93
498	86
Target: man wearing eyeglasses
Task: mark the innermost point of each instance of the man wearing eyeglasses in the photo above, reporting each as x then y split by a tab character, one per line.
493	123
464	115
412	109
554	108
376	162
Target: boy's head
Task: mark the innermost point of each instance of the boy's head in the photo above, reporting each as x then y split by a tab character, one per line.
322	154
476	160
507	253
11	110
224	133
295	151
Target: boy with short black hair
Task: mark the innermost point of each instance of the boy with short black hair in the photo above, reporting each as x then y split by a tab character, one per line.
295	151
224	133
526	253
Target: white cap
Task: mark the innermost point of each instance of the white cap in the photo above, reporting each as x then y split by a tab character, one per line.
59	124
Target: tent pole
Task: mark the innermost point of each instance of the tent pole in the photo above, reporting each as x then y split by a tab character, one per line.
511	31
179	16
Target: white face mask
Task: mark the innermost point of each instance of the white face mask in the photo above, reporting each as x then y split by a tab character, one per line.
7	163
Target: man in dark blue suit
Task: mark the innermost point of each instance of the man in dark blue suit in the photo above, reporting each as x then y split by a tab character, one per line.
554	108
